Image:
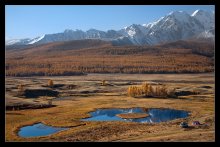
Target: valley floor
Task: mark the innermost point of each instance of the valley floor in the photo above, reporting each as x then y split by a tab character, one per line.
79	95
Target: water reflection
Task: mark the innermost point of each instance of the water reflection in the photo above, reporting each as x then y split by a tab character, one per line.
155	115
38	129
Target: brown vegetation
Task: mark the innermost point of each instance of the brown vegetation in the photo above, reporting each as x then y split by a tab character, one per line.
62	59
50	83
103	83
68	111
21	87
132	115
147	90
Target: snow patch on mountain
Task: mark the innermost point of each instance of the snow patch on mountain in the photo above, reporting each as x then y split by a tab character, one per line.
206	34
36	39
174	26
18	41
205	18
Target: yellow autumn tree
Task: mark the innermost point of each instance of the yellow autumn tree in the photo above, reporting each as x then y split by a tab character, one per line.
50	83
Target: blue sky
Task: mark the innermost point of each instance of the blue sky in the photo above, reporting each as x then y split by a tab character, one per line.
31	21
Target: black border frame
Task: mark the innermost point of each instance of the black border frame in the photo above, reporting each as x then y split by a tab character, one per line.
103	2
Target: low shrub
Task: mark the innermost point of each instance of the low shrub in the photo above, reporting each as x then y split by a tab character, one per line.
50	83
20	90
20	87
103	83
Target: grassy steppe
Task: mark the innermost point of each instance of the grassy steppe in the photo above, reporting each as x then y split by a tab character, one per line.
69	110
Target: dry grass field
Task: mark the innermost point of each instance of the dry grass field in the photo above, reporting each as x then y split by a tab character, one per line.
69	99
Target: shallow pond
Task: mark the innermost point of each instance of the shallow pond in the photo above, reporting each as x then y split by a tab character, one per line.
38	129
155	115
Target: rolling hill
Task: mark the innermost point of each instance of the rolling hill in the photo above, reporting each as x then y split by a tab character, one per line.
97	56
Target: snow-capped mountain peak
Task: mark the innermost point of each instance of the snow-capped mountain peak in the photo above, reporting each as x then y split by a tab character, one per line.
174	26
180	16
205	18
36	39
68	31
18	41
195	12
200	12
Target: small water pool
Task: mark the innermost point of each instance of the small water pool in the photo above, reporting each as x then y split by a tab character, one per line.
155	115
38	129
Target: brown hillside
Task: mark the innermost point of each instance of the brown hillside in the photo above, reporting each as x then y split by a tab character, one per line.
94	56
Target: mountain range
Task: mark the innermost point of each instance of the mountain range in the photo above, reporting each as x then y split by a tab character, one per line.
177	25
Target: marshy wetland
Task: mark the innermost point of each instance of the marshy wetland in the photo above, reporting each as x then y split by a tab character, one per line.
72	99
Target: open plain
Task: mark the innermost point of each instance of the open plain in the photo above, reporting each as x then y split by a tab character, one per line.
71	98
